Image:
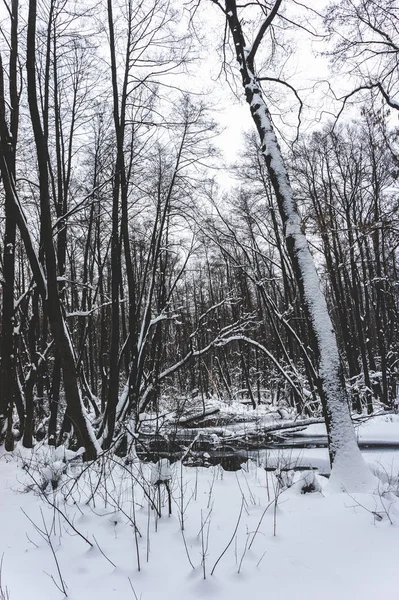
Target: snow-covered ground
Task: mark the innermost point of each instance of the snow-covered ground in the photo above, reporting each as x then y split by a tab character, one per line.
237	540
382	428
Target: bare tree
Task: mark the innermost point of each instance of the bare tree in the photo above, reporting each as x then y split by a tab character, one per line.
363	38
349	469
10	391
75	409
346	176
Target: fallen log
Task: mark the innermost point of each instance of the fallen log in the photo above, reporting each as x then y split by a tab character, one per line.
292	424
198	417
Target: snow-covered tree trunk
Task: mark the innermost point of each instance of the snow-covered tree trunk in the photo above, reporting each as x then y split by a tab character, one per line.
349	470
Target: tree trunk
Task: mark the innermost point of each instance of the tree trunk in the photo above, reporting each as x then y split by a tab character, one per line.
348	468
9	391
75	410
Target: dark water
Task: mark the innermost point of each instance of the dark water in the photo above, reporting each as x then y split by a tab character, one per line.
203	452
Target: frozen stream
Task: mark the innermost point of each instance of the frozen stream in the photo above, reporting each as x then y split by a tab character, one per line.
384	459
378	440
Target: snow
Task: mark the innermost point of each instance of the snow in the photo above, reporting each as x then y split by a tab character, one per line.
350	471
302	546
161	472
382	428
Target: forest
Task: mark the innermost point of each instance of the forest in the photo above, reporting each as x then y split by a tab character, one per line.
159	287
129	275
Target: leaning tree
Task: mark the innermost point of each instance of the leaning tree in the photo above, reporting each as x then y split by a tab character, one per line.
348	467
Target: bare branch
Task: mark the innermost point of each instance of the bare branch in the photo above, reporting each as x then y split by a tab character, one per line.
288	85
267	22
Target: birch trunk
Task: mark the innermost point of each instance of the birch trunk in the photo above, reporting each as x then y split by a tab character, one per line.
349	470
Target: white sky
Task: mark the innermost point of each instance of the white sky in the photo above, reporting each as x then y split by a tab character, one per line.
303	70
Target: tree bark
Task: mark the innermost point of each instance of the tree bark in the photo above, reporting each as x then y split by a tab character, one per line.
75	409
348	467
10	391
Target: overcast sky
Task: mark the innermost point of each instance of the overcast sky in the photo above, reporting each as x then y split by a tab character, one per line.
306	69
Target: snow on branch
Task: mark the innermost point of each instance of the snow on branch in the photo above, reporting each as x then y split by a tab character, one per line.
243	338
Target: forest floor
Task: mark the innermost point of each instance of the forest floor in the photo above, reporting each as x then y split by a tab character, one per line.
105	532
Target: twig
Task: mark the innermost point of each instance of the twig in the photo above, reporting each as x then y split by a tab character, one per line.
259	524
133	590
104	555
4	593
232	537
55	507
63	586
